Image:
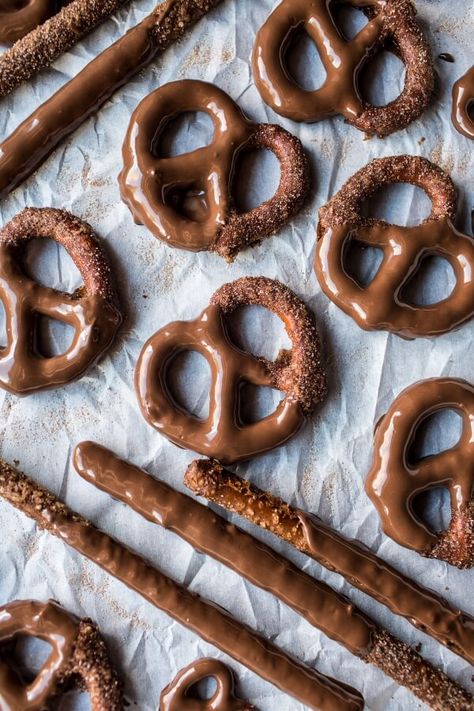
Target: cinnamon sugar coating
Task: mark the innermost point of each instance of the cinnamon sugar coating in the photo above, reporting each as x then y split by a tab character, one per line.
79	658
298	372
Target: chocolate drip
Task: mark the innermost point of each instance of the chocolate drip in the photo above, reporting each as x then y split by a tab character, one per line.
423	608
176	696
210	622
211	534
463	102
394	481
33	141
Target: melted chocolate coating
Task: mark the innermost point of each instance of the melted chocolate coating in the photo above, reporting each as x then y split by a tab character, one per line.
212	623
176	696
77	653
17	17
463	101
390	22
394	481
36	138
380	304
91	310
186	200
222	434
204	530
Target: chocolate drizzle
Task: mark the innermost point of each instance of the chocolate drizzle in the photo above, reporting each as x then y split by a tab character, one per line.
463	102
390	21
394	481
33	141
211	534
210	622
18	17
177	696
423	608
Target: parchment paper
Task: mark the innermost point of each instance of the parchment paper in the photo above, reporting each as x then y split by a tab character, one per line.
323	469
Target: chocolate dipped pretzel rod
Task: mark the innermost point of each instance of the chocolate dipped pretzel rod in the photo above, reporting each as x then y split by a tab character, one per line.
204	618
262	566
78	658
423	608
38	47
36	138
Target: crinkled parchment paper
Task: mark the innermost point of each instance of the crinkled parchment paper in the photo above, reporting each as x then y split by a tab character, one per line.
324	467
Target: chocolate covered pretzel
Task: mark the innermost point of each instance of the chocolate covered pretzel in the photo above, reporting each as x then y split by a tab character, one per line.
187	200
381	305
223	435
463	104
395	481
91	310
391	25
78	659
178	696
17	17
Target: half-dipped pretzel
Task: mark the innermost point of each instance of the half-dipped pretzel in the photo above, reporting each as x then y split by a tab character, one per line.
392	24
178	694
78	659
394	481
463	104
223	435
90	310
186	200
18	17
380	305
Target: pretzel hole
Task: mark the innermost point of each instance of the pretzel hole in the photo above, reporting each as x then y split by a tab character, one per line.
189	201
257	402
302	61
385	204
362	262
3	326
74	700
203	690
28	656
256	178
53	338
381	79
348	20
256	330
49	264
432	282
189	380
433	508
436	433
184	133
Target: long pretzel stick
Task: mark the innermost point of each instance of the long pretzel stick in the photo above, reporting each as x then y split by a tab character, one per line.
210	622
316	602
40	47
35	139
423	608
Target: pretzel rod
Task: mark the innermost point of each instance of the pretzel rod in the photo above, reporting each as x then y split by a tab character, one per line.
40	47
35	139
204	618
423	608
315	601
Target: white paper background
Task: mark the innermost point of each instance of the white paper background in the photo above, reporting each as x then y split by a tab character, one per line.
323	469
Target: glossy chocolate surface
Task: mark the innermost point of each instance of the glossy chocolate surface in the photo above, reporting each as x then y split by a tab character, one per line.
177	696
49	623
463	104
394	481
380	305
18	17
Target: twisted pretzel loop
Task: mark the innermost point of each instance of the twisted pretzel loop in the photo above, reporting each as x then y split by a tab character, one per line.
186	200
380	304
394	482
223	435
